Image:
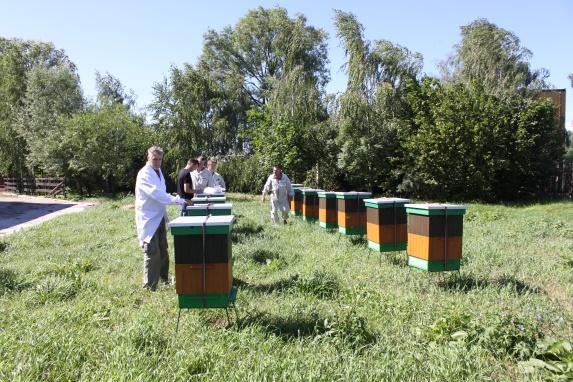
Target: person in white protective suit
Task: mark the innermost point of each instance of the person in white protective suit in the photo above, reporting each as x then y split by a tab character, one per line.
150	217
278	185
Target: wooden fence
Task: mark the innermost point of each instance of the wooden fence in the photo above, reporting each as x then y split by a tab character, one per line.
36	186
560	182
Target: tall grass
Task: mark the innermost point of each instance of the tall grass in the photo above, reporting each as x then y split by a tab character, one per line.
312	304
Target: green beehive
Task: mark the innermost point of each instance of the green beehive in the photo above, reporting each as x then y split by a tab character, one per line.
352	212
296	201
386	224
203	261
435	236
208	199
213	209
310	204
216	194
327	214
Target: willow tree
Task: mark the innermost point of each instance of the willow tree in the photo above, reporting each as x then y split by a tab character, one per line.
372	112
493	57
220	104
32	95
290	128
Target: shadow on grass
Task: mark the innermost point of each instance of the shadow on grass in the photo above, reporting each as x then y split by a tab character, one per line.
3	246
280	285
398	259
467	282
516	285
10	282
241	232
288	328
345	329
358	241
261	256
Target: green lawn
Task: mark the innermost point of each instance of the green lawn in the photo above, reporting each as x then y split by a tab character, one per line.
313	305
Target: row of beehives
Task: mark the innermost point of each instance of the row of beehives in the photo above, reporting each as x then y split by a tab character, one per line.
431	233
203	253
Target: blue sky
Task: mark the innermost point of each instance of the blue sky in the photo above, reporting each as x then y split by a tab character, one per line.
137	41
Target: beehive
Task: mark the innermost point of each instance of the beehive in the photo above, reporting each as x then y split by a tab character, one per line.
296	201
327	215
216	194
208	199
435	236
310	204
203	260
386	224
204	209
351	212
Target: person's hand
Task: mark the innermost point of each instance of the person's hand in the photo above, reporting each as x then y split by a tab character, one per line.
188	202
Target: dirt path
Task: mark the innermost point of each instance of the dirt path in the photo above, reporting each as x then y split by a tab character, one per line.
22	211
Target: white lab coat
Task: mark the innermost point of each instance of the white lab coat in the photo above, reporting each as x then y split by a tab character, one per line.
280	190
216	180
150	201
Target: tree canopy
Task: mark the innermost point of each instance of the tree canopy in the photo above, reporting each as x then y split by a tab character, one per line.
256	96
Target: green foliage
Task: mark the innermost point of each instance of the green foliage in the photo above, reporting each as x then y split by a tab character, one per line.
372	113
493	57
102	148
8	281
469	144
193	116
553	358
39	83
349	329
294	146
110	91
251	66
501	334
56	289
243	173
320	284
263	47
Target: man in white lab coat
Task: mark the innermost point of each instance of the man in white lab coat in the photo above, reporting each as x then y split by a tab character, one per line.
278	185
150	217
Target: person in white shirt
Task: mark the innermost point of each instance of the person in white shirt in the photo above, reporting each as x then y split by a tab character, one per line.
200	177
215	179
150	217
280	188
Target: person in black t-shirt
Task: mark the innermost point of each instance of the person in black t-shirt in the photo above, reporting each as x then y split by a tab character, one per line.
184	183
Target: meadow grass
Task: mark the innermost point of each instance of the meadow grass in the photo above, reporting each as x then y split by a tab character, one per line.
313	305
